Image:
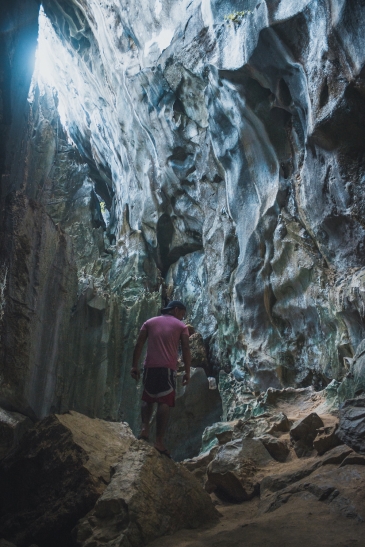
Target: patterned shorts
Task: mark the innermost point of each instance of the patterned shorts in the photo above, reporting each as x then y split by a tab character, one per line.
159	385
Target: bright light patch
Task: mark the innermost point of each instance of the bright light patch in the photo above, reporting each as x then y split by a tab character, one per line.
50	56
163	40
158	7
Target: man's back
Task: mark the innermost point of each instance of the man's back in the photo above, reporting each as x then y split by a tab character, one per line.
164	333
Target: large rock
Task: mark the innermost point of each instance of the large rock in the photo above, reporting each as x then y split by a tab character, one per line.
149	496
351	429
197	408
234	468
56	475
304	431
326	439
12	428
278	449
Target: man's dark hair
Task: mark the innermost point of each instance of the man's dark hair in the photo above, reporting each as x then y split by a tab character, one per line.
172	305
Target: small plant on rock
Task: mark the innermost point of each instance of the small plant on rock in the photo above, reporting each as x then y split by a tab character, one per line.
236	17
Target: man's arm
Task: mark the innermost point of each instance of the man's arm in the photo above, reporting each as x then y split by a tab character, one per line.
185	347
142	337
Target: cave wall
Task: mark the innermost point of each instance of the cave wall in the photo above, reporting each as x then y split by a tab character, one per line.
67	326
234	143
183	150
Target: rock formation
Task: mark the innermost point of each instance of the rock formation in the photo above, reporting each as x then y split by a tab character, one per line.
70	465
201	150
188	150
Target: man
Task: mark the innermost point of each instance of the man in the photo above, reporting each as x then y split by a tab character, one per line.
159	376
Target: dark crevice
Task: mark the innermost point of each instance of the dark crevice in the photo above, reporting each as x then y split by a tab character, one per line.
323	98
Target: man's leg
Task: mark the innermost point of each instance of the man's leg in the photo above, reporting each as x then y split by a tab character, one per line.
162	418
147	409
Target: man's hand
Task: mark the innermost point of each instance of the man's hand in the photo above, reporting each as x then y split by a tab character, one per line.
186	379
135	373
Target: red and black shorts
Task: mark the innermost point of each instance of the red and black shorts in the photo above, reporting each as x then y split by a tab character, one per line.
159	385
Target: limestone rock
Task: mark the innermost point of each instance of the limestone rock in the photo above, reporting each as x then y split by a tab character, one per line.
198	467
198	351
280	424
341	488
253	427
212	433
303	433
336	455
278	449
326	439
275	483
197	408
12	428
41	285
234	468
148	496
351	429
56	475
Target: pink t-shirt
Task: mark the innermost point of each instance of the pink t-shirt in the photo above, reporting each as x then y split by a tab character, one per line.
164	334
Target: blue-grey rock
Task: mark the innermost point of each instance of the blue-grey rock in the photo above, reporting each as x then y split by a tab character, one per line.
351	430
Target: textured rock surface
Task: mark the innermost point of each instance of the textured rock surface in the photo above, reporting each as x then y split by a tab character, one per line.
303	432
195	409
234	469
326	439
215	166
149	496
12	428
219	160
331	486
55	477
277	449
351	429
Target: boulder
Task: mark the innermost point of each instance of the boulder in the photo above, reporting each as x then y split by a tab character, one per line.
280	424
278	449
234	468
326	439
303	433
56	475
12	428
197	408
252	427
149	496
351	430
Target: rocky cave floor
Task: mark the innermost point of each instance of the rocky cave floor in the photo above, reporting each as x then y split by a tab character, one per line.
294	474
297	507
